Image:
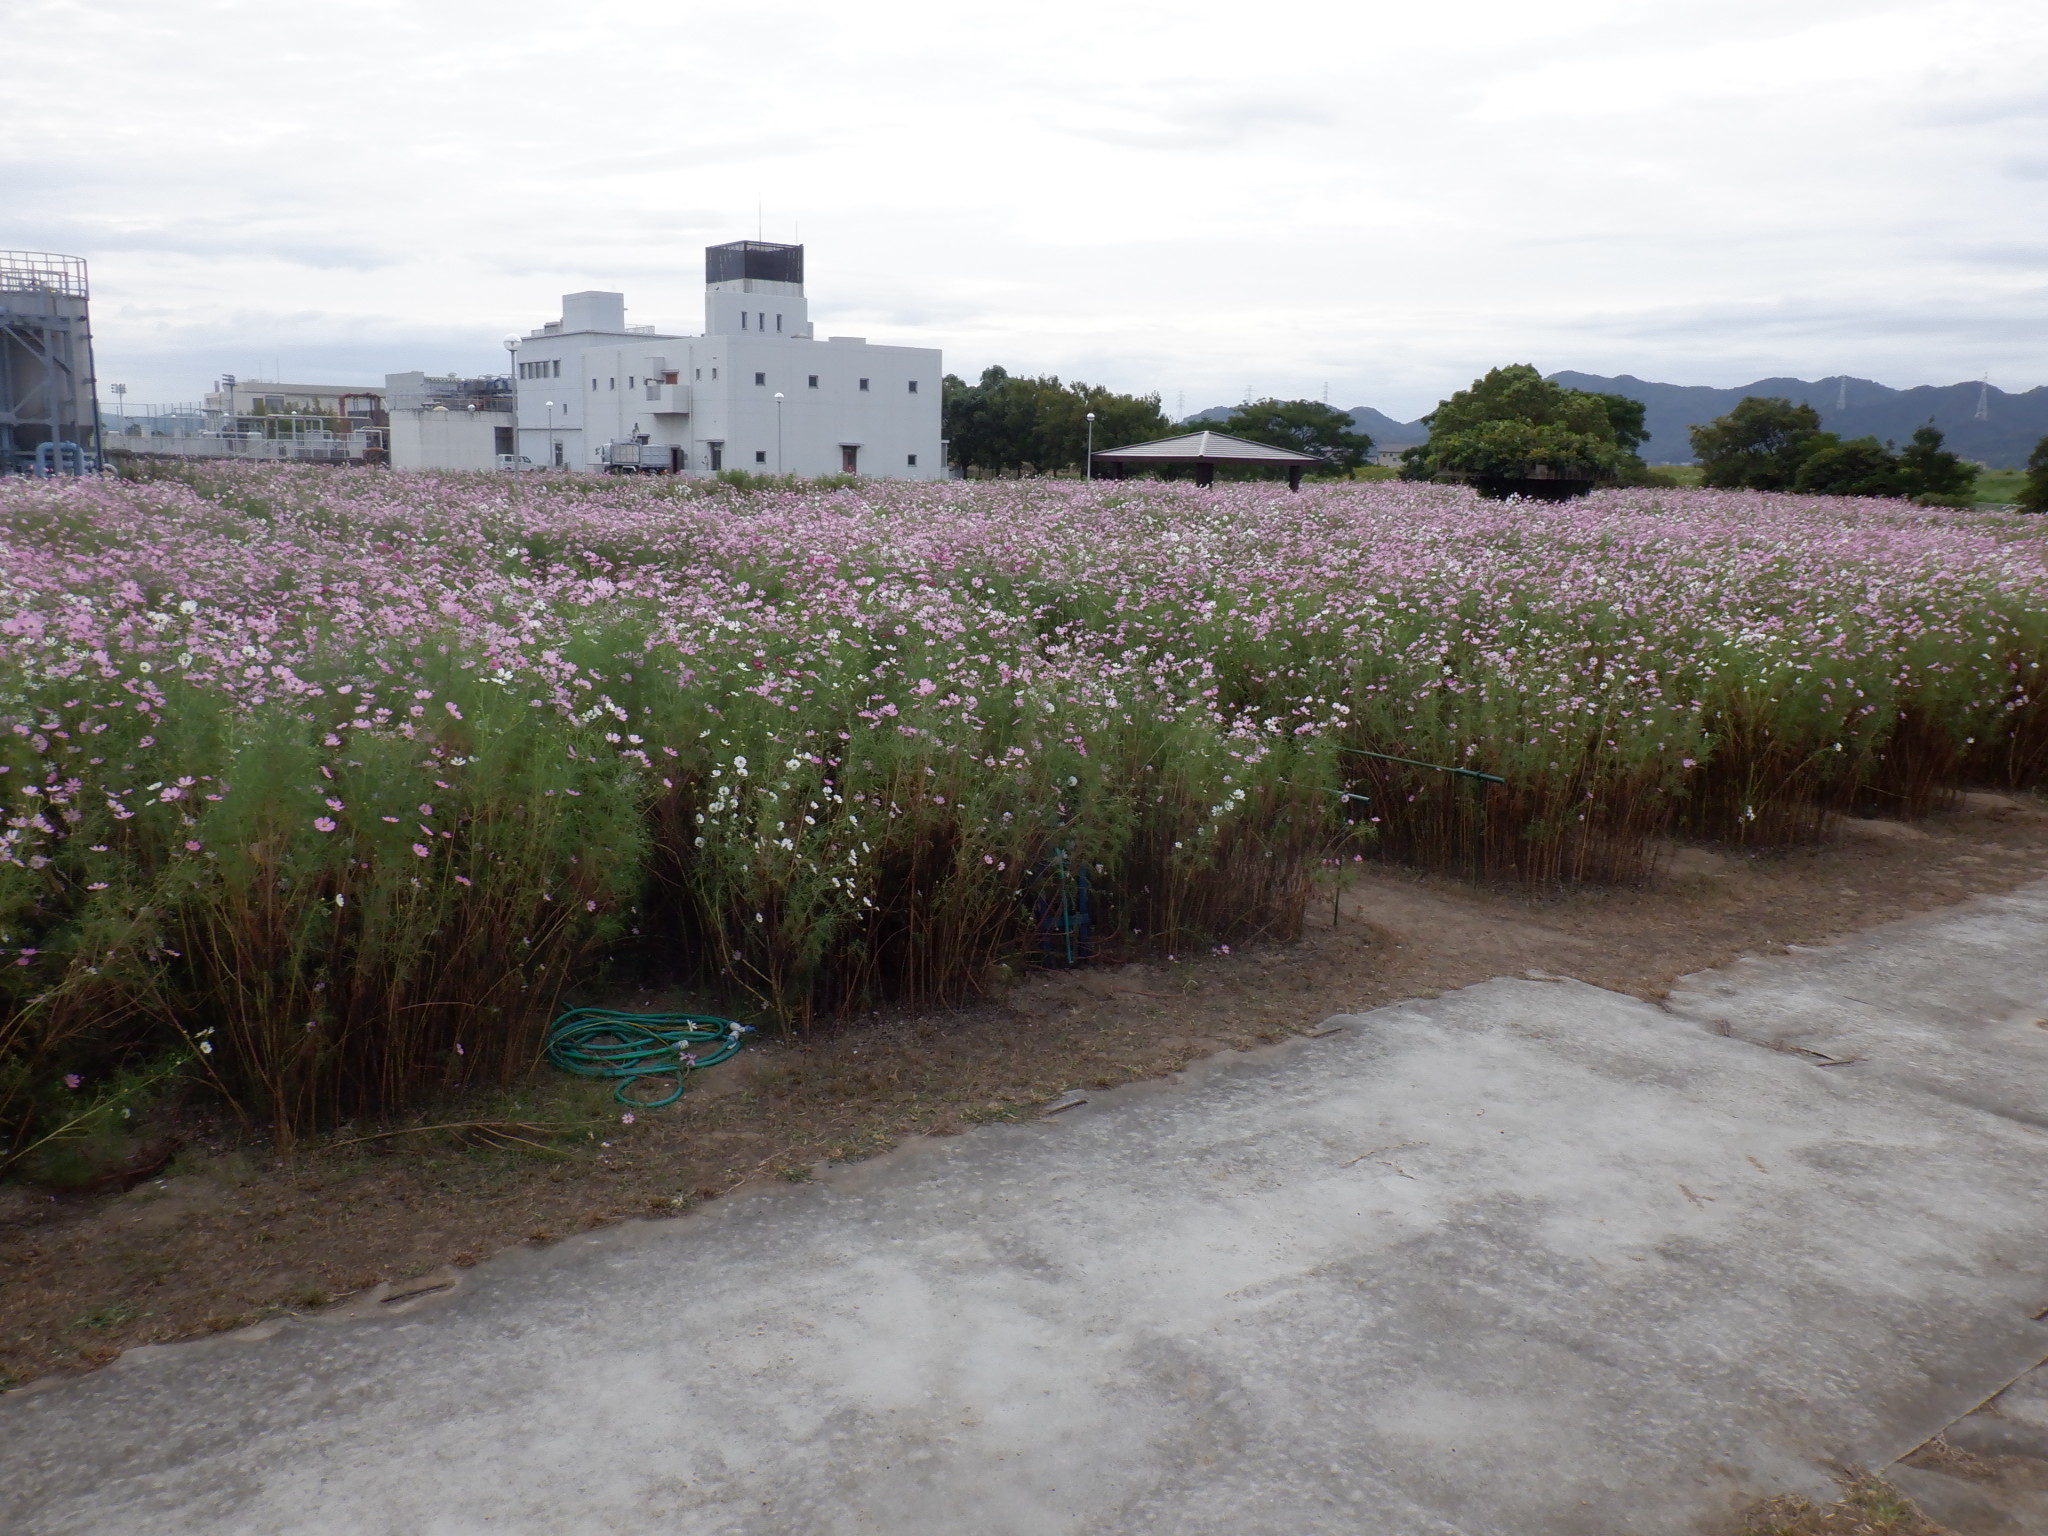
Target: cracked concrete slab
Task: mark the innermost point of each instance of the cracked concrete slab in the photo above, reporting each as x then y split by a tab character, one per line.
1531	1257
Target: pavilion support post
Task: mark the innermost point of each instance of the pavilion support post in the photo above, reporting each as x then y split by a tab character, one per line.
1294	477
1205	474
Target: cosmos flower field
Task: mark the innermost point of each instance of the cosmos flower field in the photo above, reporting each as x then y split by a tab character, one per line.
331	784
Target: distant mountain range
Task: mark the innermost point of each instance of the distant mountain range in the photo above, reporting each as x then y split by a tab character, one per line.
1980	421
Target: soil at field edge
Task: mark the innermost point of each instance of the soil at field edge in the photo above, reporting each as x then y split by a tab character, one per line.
228	1235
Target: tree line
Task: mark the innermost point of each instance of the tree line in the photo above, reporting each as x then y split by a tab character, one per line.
1769	444
1512	431
1008	424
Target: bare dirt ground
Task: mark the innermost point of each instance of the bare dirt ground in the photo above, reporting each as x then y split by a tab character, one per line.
228	1236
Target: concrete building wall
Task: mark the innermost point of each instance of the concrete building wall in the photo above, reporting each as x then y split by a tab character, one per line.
444	439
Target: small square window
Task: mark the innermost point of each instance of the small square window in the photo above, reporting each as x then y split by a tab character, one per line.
913	461
863	383
760	378
760	455
814	381
913	386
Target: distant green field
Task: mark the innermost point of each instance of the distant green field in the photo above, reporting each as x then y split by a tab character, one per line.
1994	486
1999	485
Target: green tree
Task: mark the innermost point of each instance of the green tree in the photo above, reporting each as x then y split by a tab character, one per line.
1120	420
1516	424
1011	425
1760	445
1306	426
1626	417
1930	473
1860	467
2034	493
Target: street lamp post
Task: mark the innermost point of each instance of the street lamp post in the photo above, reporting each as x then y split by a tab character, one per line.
778	431
1088	465
512	368
552	454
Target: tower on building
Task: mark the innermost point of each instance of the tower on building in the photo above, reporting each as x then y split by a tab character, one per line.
755	288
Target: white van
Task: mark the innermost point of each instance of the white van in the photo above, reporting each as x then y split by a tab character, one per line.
514	461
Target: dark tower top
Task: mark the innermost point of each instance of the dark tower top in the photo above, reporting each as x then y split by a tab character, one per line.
761	260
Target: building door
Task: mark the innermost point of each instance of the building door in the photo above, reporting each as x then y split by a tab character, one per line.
849	458
501	440
717	456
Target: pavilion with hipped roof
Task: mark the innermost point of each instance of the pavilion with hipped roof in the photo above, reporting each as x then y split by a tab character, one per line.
1206	450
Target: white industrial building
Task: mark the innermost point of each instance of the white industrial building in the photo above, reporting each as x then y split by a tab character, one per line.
757	391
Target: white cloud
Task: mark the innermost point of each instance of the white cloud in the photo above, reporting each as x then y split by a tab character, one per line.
1195	197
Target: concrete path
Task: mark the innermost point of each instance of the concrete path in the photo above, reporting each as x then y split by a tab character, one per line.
1531	1258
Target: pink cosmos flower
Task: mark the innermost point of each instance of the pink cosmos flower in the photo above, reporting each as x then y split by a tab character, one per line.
323	823
191	846
71	1079
421	849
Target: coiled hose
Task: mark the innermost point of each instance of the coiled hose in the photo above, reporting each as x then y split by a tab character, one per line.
605	1042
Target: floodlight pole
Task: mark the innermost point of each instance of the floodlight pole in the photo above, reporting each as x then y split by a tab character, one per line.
512	367
1088	464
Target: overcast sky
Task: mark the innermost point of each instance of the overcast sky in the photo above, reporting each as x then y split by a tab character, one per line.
1202	199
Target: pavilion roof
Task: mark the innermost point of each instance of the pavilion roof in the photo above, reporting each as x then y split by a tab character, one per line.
1204	448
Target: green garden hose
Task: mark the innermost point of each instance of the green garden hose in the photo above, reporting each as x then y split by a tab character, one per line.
605	1042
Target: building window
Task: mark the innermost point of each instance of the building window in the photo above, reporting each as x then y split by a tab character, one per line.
764	322
760	378
611	383
814	381
912	461
714	374
760	455
778	322
593	383
913	386
849	458
743	319
501	440
700	375
558	369
863	383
